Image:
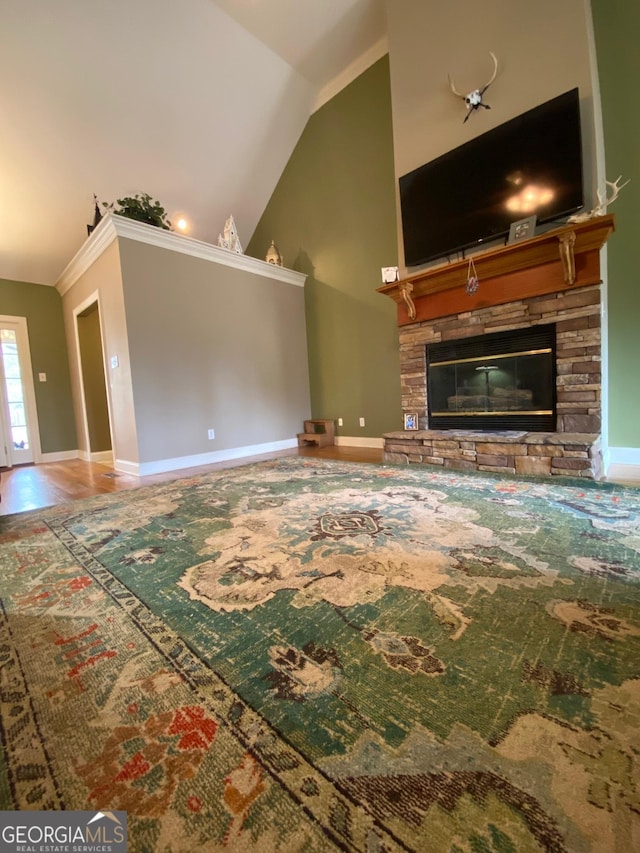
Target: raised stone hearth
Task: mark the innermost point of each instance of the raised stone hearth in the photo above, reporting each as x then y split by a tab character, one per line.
529	453
550	279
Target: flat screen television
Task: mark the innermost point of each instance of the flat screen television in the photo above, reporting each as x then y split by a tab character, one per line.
529	165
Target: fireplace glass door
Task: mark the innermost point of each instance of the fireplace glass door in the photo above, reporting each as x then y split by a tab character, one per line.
504	381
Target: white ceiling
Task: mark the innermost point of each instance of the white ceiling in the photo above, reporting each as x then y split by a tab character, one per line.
198	103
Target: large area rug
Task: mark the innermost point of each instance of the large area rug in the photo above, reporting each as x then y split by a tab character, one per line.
308	656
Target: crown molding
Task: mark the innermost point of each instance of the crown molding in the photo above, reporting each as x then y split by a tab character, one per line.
112	227
355	69
89	252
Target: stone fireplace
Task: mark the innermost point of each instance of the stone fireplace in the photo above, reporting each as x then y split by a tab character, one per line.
550	282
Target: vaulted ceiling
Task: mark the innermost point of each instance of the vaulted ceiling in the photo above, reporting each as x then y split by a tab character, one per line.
198	103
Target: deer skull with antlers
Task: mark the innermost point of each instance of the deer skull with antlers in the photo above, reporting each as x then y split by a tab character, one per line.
603	201
473	99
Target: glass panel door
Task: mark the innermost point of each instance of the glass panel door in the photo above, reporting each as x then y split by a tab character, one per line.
17	438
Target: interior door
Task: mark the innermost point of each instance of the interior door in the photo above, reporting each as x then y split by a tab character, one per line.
19	420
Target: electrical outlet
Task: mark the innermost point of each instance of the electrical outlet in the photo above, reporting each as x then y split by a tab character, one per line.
339	421
42	377
361	421
211	434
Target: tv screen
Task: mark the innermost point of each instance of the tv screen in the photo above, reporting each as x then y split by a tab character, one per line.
529	165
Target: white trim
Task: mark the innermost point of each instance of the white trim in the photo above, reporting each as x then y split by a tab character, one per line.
160	466
126	467
102	457
6	455
59	456
112	226
354	441
92	299
99	240
622	463
598	178
355	69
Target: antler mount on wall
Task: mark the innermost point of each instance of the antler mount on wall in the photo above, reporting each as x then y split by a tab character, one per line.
473	99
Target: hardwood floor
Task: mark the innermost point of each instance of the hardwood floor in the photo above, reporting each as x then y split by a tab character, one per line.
28	487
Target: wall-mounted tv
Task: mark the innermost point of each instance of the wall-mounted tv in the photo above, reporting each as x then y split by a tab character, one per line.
529	165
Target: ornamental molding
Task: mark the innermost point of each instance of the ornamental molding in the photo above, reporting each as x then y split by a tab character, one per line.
112	227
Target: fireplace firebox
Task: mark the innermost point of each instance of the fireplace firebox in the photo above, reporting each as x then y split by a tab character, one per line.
501	381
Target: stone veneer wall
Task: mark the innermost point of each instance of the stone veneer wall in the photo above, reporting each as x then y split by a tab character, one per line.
574	449
576	314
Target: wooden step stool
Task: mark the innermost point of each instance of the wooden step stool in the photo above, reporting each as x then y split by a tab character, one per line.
318	433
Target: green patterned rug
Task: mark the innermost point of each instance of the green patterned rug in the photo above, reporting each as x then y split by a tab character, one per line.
303	655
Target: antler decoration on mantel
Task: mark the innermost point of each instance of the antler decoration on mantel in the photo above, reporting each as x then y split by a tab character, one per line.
603	201
473	99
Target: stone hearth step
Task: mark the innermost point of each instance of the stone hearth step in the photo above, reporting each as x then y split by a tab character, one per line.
530	453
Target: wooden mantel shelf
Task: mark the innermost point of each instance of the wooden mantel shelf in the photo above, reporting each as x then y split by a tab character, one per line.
560	259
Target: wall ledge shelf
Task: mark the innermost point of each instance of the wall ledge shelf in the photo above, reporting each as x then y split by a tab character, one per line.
113	226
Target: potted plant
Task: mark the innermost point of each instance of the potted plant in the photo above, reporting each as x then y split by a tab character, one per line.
142	208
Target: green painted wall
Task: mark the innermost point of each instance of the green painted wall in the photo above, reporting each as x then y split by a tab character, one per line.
333	216
617	27
42	307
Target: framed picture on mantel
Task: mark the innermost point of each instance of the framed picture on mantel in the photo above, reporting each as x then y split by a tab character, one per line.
410	420
523	229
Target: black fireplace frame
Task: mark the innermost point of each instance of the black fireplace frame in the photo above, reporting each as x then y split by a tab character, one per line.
533	339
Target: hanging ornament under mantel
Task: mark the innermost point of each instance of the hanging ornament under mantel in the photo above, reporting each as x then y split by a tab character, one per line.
473	282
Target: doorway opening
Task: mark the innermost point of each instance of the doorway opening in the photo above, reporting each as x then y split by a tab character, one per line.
97	425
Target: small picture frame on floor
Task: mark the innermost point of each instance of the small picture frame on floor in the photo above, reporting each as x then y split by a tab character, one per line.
410	420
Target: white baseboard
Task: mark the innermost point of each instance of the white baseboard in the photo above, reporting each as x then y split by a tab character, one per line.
59	456
622	463
160	466
126	467
104	457
355	441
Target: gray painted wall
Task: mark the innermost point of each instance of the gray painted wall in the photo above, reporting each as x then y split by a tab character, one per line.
211	347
